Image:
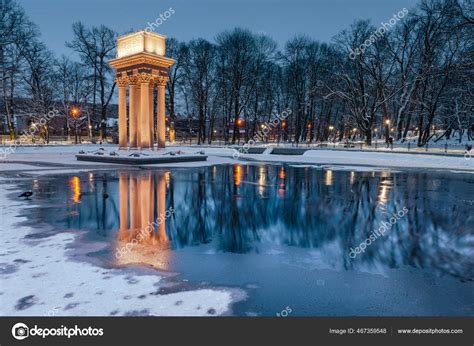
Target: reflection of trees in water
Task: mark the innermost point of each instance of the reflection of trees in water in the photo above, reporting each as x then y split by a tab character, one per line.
240	207
85	196
314	212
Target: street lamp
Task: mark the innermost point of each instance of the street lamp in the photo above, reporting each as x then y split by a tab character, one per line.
387	130
75	111
330	130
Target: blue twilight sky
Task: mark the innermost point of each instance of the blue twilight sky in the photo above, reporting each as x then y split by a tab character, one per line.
281	19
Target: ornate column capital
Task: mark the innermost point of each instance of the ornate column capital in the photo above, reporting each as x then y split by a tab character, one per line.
121	81
161	81
145	77
133	80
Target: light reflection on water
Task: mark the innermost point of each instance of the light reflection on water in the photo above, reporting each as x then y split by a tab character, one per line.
246	209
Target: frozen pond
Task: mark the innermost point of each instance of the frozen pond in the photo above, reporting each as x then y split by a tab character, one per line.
282	234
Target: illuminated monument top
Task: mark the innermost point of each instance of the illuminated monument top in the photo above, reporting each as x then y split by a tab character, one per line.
142	66
141	42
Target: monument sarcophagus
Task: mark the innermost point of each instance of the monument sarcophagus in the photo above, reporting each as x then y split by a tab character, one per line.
141	66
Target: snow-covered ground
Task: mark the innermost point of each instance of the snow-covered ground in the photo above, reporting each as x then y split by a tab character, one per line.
39	277
58	158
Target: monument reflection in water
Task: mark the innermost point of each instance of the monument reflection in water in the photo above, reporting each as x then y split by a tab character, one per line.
260	209
142	234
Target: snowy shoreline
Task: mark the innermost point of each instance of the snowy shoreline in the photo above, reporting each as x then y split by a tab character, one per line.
40	278
59	159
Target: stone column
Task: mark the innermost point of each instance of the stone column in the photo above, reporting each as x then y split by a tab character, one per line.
134	219
151	209
145	182
161	119
152	115
123	193
145	80
133	112
122	112
161	207
138	98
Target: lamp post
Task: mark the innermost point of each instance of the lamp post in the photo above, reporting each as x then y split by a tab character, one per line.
330	130
283	129
387	129
240	124
75	111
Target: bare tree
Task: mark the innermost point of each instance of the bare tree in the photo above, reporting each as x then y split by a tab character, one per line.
96	46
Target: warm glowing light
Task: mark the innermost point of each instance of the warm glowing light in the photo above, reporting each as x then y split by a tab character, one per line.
237	174
75	185
328	179
263	126
141	42
331	127
240	122
75	111
309	126
138	244
387	122
283	124
354	129
281	174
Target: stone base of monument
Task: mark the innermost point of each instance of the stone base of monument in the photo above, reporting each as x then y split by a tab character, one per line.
139	157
